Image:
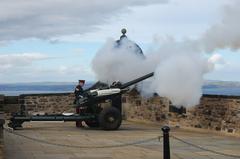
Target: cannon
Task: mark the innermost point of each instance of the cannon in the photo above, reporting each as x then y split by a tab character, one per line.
92	113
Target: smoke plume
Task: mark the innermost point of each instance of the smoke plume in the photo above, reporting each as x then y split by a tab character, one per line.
226	33
178	66
113	63
178	70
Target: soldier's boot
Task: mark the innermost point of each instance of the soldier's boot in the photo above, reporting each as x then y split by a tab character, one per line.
78	123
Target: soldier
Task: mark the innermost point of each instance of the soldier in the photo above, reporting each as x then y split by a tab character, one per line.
78	94
79	90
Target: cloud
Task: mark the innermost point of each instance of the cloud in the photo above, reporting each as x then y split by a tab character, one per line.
35	67
38	73
32	67
11	61
71	70
79	51
217	59
47	19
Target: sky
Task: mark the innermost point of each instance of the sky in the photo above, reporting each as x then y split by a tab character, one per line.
56	40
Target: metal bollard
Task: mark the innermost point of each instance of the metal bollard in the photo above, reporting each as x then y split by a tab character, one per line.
166	146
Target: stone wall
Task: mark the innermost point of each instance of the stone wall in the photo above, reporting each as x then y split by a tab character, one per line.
221	113
48	103
152	109
1	102
217	112
213	112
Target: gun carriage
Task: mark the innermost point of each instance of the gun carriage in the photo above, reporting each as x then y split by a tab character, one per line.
92	113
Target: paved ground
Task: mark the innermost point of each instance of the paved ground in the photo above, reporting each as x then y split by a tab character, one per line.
1	143
59	134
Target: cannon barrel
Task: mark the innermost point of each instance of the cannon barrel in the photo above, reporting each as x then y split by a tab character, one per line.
125	85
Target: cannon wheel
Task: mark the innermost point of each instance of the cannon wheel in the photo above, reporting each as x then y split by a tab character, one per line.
110	118
92	123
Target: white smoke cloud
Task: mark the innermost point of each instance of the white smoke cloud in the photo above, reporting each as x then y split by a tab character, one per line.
178	70
226	33
179	67
113	63
180	78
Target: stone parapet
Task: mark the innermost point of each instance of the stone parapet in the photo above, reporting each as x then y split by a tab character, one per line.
221	113
217	112
48	103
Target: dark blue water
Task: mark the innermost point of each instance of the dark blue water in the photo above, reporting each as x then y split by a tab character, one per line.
17	89
235	91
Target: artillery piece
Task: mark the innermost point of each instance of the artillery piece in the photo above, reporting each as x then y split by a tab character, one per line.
107	118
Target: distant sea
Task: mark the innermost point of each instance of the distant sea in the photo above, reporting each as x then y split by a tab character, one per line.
17	89
221	90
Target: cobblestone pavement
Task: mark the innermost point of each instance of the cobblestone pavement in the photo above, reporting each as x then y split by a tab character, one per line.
57	140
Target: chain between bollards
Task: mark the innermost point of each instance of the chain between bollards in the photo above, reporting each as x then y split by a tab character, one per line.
166	145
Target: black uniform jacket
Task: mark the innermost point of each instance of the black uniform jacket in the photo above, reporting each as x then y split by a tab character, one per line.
78	91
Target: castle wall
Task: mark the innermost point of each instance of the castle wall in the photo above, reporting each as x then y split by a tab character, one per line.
217	112
153	109
221	113
48	103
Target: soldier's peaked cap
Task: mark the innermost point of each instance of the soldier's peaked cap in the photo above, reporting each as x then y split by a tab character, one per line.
82	81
